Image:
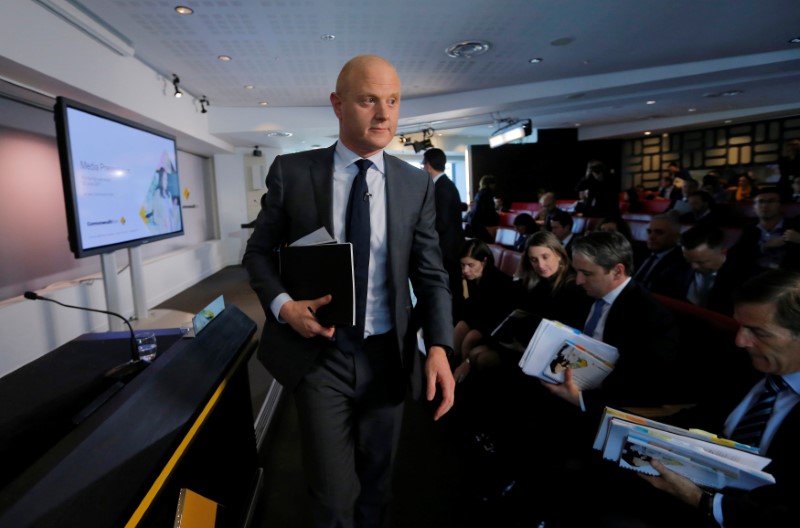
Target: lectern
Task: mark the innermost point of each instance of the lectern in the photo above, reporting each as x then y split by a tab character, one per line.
186	421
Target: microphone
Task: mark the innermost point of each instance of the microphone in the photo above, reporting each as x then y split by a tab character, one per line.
367	195
120	371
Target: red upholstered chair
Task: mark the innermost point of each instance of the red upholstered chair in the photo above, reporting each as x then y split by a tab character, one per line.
710	364
509	262
497	252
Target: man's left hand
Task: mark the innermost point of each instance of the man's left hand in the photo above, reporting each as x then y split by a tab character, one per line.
437	372
567	390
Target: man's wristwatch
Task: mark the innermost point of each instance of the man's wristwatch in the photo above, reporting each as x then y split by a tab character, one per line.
706	504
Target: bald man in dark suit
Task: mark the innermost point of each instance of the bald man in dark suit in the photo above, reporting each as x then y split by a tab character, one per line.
349	385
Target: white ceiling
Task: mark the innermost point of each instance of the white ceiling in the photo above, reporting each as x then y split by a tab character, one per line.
614	55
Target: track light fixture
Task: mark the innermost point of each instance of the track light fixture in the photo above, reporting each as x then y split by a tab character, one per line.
203	103
257	152
175	82
423	144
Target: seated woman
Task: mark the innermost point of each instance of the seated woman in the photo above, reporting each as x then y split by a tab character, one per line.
548	283
489	299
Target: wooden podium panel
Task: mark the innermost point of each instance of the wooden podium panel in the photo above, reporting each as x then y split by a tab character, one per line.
184	422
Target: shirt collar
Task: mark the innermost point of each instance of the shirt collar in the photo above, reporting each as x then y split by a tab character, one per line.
793	380
344	157
611	296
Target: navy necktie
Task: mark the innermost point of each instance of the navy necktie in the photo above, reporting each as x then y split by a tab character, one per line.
752	425
357	232
591	325
644	271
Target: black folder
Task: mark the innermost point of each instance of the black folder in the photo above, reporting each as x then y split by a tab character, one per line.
309	272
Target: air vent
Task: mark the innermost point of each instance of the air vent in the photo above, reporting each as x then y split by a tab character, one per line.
468	49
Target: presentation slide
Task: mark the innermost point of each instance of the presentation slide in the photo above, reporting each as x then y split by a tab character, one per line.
126	181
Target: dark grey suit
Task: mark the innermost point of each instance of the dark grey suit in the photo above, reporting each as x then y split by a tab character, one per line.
299	201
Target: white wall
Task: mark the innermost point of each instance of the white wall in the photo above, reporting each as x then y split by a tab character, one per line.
30	329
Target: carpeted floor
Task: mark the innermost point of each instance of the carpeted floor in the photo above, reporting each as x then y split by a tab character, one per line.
428	477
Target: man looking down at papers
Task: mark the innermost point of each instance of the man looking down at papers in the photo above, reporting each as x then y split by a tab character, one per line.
349	383
627	317
767	309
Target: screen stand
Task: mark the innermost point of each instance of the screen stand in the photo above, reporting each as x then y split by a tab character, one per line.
137	283
111	286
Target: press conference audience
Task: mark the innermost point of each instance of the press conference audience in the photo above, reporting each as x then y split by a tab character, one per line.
767	309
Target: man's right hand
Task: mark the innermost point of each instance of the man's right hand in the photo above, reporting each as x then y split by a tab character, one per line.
300	316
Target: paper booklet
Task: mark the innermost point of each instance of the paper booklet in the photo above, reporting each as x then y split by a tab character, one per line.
317	265
633	441
556	346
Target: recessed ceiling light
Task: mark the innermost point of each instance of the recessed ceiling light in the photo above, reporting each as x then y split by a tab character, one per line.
328	37
728	121
536	60
647	133
183	10
795	40
278	134
467	49
249	87
224	58
262	103
651	102
731	93
577	125
692	110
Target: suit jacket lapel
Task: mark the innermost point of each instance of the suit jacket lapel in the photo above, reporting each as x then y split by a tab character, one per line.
322	186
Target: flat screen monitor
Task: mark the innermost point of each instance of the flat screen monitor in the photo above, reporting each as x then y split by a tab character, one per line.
120	180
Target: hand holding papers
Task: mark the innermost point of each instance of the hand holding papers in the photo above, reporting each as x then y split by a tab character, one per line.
706	460
556	346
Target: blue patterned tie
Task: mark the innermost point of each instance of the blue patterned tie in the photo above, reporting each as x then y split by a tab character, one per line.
357	232
591	325
752	425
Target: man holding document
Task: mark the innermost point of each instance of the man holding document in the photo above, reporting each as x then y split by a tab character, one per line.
627	317
767	309
349	382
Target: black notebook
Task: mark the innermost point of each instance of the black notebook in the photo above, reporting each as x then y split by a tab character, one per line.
312	271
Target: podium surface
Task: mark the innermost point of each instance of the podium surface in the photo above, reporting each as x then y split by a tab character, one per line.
183	422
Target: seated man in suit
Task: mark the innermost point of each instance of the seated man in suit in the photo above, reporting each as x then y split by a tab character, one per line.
774	242
561	226
682	205
664	270
713	277
545	215
768	312
700	210
628	317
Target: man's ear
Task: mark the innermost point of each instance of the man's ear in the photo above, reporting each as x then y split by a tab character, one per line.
336	103
618	269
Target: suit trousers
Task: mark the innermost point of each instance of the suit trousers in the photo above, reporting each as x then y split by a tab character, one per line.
349	408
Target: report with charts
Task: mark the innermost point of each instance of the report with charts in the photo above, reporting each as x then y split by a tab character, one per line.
555	347
707	460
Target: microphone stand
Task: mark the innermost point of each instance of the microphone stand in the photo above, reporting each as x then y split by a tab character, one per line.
123	371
